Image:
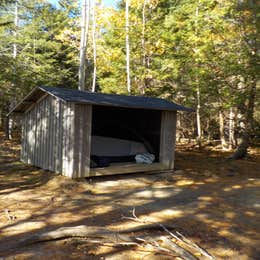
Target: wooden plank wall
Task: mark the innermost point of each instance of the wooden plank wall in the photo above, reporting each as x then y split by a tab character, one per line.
67	142
41	134
82	144
168	137
77	121
56	136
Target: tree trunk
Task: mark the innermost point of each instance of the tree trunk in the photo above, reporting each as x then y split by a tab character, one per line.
9	121
197	83
94	46
241	151
221	130
198	115
83	43
144	63
208	130
231	129
16	20
235	127
6	121
9	128
127	46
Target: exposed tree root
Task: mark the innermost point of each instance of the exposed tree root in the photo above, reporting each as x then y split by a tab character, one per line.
102	235
178	237
171	244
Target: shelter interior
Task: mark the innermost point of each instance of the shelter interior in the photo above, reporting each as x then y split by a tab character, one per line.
136	125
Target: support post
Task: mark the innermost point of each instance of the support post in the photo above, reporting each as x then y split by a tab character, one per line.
168	137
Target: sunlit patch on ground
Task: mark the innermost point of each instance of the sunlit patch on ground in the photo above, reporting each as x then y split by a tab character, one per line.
211	201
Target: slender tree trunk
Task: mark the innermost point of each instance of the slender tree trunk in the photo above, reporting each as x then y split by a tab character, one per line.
15	31
208	130
94	45
197	84
143	33
231	129
198	115
85	13
143	47
127	46
221	130
9	121
235	127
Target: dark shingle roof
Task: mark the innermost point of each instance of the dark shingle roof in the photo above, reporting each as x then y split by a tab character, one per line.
85	97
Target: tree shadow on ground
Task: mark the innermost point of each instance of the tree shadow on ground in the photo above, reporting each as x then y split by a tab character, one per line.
218	213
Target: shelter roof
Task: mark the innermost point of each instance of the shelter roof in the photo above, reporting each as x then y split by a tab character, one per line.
93	98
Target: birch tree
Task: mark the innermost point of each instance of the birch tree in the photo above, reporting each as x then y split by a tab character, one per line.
94	45
9	121
222	130
85	17
197	81
231	139
127	46
144	63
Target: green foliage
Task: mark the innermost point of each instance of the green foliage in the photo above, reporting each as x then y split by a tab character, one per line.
182	46
44	55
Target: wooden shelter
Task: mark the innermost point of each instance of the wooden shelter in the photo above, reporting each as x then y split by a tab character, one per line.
58	125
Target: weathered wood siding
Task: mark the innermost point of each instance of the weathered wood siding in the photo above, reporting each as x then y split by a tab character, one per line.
168	136
42	133
82	144
76	140
56	136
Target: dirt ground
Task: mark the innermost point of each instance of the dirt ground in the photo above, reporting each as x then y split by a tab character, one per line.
210	200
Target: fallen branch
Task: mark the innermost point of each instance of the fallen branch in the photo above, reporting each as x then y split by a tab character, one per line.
78	231
178	249
178	236
145	247
195	246
188	242
103	236
97	235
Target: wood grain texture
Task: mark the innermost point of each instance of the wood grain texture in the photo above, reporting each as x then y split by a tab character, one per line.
41	134
82	140
22	156
120	168
68	127
167	140
58	154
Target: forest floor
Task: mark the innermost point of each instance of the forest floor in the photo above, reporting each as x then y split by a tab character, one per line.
210	200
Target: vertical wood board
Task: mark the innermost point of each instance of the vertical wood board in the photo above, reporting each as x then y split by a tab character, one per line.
68	139
41	133
167	140
82	140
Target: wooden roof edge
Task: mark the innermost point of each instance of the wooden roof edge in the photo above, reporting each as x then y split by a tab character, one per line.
25	100
59	93
28	100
